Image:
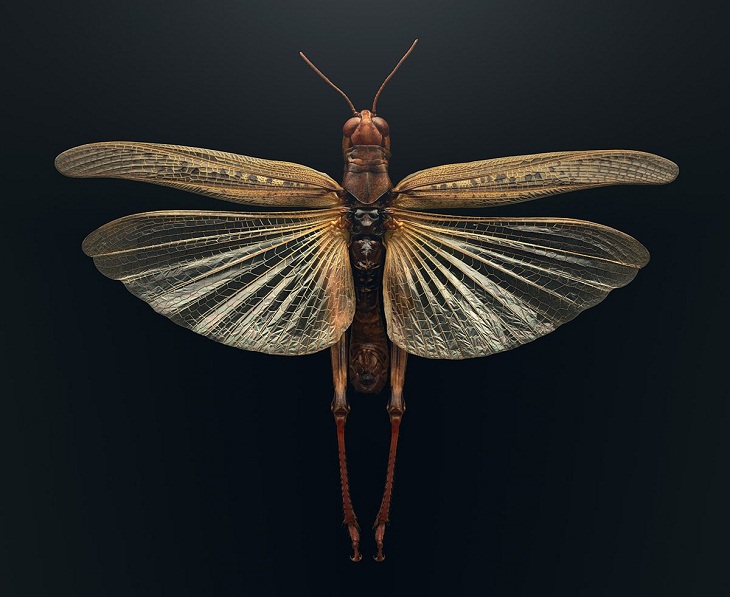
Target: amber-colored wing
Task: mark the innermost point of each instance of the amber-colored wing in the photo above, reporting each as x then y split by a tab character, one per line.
487	183
218	174
458	287
278	283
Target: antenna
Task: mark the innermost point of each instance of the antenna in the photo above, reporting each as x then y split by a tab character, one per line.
377	95
319	72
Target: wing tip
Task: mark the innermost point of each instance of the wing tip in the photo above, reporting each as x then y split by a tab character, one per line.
93	244
673	171
87	245
668	170
70	162
665	170
654	169
62	162
645	258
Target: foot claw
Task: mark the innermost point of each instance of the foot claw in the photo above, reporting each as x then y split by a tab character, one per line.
354	531
379	536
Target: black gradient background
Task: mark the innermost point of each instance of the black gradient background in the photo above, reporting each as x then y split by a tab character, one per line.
141	459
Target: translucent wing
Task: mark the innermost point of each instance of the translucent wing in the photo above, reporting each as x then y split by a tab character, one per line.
278	283
457	287
524	177
227	176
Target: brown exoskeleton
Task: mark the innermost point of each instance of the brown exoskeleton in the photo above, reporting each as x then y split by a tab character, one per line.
361	271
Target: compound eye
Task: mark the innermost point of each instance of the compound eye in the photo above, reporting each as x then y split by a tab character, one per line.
381	125
350	126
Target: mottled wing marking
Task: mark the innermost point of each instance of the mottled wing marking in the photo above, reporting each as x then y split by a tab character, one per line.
278	283
499	181
459	287
218	174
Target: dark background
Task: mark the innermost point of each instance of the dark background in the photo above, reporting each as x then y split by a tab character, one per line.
141	459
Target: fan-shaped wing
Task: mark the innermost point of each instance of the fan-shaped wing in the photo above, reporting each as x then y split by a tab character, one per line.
487	183
278	283
458	287
218	174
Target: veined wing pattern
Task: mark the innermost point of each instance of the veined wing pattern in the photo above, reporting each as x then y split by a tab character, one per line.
460	287
278	283
486	183
228	176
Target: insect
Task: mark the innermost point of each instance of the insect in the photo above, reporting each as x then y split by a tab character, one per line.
362	270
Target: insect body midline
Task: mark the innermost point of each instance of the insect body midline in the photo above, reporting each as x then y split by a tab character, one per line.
369	350
366	150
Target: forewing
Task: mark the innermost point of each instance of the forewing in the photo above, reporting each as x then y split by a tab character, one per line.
458	287
237	178
487	183
278	283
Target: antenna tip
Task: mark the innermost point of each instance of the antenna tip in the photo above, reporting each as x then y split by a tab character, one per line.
397	66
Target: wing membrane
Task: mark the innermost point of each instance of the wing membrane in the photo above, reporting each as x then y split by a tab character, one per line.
500	181
278	283
237	178
458	287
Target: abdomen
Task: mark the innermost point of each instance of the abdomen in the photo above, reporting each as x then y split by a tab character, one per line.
369	351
